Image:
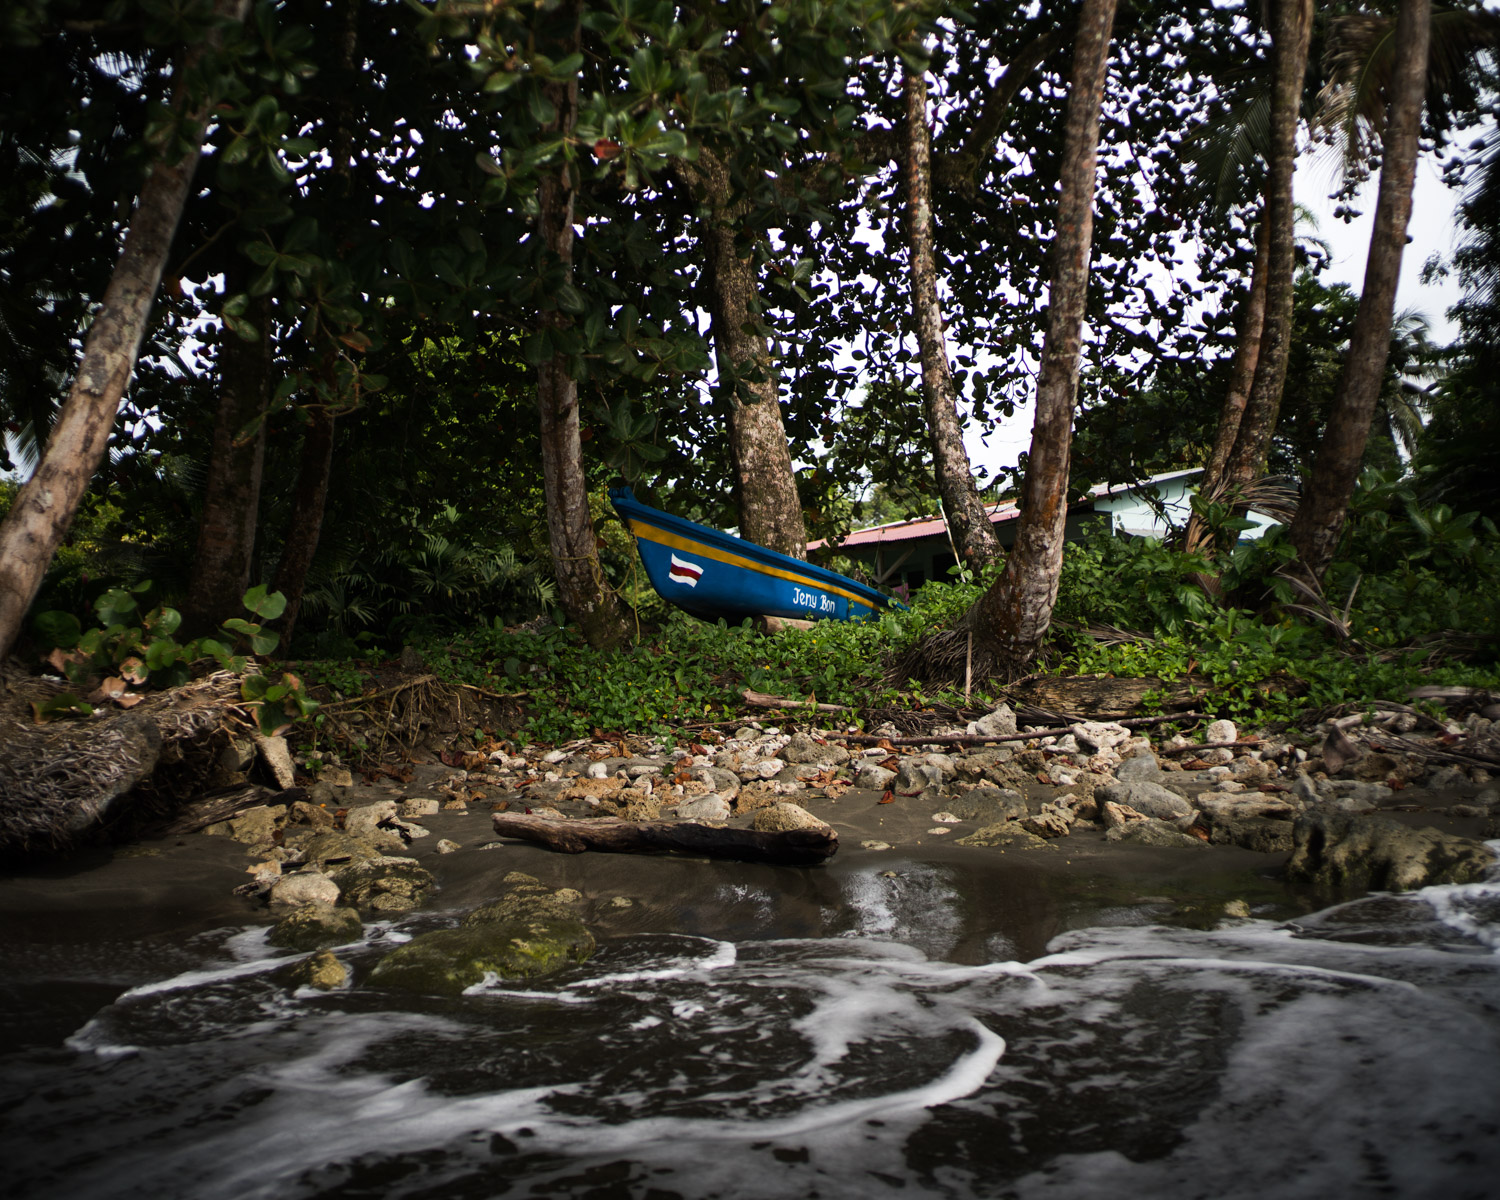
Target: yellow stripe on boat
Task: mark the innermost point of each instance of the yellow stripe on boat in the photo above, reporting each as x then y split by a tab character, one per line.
662	538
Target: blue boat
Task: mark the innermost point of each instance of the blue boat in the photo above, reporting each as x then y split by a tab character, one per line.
712	574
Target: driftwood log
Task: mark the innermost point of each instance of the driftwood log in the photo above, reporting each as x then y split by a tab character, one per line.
793	848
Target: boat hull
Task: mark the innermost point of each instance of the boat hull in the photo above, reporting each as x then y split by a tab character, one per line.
716	575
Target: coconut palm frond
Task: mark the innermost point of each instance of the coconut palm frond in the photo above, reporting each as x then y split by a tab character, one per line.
1359	61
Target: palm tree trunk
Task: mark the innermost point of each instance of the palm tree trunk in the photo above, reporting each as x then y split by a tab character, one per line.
1325	502
570	531
1012	617
1242	369
231	495
43	509
305	525
1292	35
968	523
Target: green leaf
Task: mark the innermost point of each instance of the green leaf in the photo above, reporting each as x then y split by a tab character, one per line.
266	606
58	629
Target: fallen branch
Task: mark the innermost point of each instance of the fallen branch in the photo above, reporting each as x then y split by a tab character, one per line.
794	848
761	700
1195	746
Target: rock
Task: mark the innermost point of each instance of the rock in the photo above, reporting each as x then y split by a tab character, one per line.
1139	768
1146	797
803	749
766	769
386	885
1094	736
1355	853
783	818
946	818
1222	730
1447	778
278	760
873	776
316	926
1237	910
336	776
758	795
638	805
336	849
417	806
1152	832
712	807
1116	816
303	888
988	805
1252	833
874	844
371	822
256	826
1049	823
312	815
1305	788
446	846
528	932
914	775
322	971
999	723
1004	835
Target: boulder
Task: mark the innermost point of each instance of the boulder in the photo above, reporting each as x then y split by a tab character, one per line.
712	807
322	971
384	885
783	818
989	805
999	723
316	927
1152	832
305	887
1252	833
1051	822
873	776
1146	797
1343	852
915	775
1094	736
1139	768
803	749
1004	835
530	931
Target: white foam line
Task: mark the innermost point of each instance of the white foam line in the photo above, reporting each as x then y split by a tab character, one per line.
1253	966
966	1076
213	975
724	955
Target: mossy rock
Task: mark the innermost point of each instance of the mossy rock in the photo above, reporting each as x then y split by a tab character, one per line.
1006	835
388	885
316	927
447	961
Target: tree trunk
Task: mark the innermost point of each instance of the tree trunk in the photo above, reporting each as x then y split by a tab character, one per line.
1292	34
231	496
43	509
1012	617
305	525
968	523
789	848
1246	356
1325	503
764	485
570	531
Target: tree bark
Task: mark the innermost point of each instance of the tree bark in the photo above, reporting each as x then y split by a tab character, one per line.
1292	34
764	485
1246	356
1325	503
570	530
43	510
1012	617
231	495
968	523
305	525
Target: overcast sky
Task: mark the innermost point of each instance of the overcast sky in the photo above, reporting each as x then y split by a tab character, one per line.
1432	230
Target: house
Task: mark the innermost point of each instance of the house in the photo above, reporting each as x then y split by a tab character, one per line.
912	552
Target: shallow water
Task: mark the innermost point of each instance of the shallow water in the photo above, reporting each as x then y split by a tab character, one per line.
1351	1052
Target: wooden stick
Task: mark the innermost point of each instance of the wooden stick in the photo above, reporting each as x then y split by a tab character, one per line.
1213	746
390	691
794	848
762	700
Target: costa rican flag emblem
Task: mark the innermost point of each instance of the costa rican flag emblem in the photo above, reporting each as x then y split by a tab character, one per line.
685	572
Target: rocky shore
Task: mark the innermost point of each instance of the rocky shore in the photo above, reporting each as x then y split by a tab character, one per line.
1358	808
